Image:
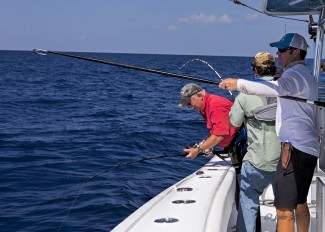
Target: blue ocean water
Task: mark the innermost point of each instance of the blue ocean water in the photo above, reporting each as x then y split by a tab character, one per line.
64	120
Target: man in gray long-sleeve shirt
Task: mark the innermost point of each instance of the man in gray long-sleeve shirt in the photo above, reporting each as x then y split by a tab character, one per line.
295	127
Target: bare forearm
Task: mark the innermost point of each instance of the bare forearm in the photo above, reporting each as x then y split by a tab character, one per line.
212	141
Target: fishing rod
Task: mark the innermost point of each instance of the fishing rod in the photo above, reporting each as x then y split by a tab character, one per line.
212	68
316	103
109	170
134	161
183	154
45	52
218	153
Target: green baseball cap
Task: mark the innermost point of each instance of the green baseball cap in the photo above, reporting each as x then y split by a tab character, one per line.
187	92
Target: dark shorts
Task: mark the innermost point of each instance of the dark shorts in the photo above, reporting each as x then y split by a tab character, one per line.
292	185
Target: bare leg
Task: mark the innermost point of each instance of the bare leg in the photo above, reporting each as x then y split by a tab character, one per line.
285	221
302	217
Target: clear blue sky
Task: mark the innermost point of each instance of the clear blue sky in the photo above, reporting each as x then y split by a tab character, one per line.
191	27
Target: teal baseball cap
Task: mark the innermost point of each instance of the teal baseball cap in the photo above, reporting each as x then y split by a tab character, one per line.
292	40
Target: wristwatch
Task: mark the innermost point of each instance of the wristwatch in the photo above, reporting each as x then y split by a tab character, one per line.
200	150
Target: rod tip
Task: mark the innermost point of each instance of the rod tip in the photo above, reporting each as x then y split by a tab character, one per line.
39	51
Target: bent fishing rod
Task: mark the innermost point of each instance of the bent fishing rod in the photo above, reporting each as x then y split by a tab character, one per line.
109	170
45	52
218	153
134	161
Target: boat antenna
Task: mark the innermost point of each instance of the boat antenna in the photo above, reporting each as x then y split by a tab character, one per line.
238	2
44	53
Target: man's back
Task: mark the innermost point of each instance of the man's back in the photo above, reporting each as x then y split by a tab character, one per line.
215	111
263	145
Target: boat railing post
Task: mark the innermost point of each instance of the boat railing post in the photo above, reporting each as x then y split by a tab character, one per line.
320	123
320	118
320	205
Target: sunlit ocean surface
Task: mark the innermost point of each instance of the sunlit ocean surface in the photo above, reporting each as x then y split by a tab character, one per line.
64	120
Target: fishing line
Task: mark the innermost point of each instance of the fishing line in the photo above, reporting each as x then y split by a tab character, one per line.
44	53
71	206
211	67
113	168
162	129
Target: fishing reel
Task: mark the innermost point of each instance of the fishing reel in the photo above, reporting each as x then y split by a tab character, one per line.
206	153
312	28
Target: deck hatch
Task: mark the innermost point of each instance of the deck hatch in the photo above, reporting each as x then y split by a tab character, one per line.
166	220
199	173
183	201
184	189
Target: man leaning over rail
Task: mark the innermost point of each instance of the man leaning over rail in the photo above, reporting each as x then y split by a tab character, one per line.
295	127
215	111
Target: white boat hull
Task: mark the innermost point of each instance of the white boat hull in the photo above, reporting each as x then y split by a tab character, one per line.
209	206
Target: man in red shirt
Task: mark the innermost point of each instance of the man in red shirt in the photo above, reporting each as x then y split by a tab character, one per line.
215	111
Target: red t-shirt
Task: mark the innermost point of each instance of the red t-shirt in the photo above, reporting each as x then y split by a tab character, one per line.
215	111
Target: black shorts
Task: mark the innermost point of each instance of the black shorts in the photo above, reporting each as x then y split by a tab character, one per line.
292	185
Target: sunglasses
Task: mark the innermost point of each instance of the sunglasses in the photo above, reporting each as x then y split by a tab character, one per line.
190	103
282	50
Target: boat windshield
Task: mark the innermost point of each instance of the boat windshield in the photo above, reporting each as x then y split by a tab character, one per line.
293	7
